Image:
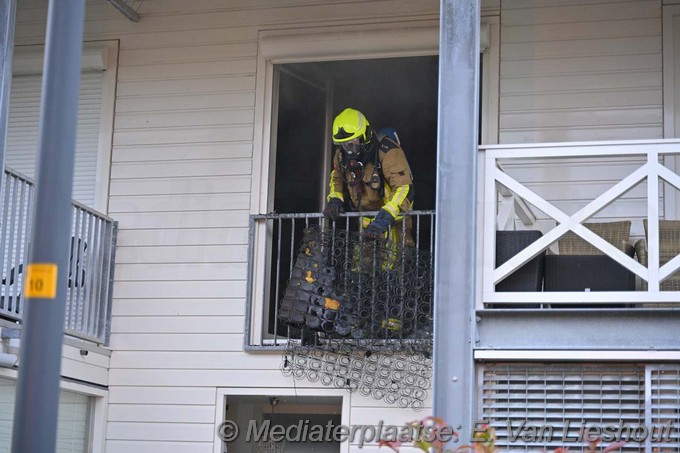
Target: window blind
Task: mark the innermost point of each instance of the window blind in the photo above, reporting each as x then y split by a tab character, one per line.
22	133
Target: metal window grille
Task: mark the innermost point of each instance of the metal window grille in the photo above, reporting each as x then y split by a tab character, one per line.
275	239
558	401
665	407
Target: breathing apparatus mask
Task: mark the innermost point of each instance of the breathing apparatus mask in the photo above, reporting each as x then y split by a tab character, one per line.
352	154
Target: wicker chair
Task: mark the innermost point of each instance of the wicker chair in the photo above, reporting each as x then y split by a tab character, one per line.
669	248
528	277
583	267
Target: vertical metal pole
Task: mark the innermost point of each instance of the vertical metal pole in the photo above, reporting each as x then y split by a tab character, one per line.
454	280
37	402
8	9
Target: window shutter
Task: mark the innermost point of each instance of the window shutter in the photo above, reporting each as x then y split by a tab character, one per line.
22	134
665	402
73	425
550	396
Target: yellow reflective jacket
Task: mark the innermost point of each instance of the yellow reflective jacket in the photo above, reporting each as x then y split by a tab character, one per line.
398	192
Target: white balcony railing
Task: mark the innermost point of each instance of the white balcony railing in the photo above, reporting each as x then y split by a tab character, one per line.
91	263
558	188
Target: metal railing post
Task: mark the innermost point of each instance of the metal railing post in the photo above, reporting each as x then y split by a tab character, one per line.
454	261
37	402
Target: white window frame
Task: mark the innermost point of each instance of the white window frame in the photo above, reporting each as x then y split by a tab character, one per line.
100	402
222	394
347	42
97	55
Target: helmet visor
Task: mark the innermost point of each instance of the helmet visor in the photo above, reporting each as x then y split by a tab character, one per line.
352	148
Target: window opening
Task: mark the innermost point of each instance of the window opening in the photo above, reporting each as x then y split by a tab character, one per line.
289	412
395	92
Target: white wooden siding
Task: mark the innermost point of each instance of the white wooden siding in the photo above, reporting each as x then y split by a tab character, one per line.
92	368
180	188
573	71
580	71
182	168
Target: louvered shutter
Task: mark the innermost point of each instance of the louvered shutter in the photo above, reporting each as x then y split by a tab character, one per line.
665	402
73	425
22	133
540	396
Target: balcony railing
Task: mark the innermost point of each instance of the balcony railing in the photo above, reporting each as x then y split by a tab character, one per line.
91	263
275	241
565	187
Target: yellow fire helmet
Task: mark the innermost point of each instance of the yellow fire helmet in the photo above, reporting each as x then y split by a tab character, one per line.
349	125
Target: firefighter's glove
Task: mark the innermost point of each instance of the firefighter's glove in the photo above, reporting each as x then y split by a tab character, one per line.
379	225
334	208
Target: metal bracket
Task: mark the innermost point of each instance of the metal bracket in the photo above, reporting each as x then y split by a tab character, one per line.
125	9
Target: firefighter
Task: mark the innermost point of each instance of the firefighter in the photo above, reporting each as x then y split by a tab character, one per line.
376	174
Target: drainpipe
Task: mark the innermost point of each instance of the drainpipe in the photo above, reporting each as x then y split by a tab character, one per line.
455	227
8	9
37	396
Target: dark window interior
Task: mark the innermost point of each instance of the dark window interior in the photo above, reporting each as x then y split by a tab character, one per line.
394	92
391	92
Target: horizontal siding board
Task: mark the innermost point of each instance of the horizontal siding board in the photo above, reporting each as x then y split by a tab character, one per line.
181	169
566	65
584	30
167	237
207	360
581	191
182	254
180	271
584	99
187	432
201	35
180	289
183	135
175	342
192	202
177	324
181	70
203	117
184	185
621	209
568	170
593	12
164	103
651	115
161	413
630	132
372	415
582	48
178	151
127	446
584	81
193	53
532	4
179	307
193	85
92	358
208	378
76	369
211	6
161	395
277	15
359	400
197	219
